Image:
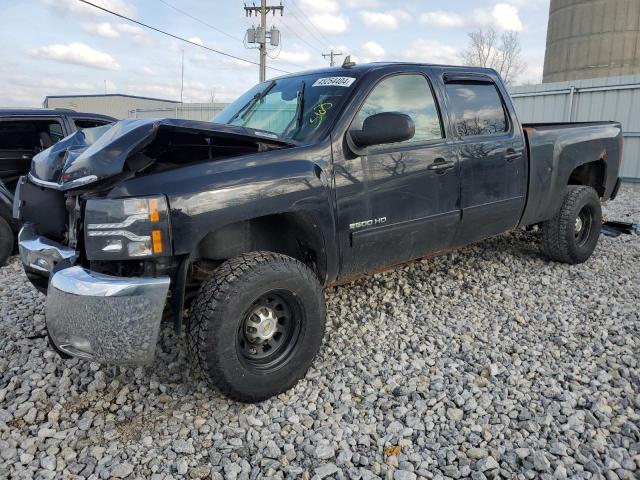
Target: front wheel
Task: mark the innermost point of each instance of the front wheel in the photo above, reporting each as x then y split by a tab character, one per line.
572	234
257	325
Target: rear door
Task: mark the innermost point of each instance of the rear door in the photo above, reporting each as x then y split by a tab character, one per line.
491	151
20	139
397	201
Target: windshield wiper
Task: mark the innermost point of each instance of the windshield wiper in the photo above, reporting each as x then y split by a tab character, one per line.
250	104
299	115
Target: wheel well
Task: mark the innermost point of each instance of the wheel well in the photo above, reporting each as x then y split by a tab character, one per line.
297	235
591	174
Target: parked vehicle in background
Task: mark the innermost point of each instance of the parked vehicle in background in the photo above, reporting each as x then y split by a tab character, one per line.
23	133
306	180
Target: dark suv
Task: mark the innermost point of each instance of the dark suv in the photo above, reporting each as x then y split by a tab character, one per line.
23	133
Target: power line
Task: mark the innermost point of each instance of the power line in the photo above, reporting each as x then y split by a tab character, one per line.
322	39
291	30
201	21
219	52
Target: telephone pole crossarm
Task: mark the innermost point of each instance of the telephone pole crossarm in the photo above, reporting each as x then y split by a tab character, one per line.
331	55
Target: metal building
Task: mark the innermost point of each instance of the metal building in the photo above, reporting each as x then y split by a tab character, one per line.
112	104
614	98
592	39
186	111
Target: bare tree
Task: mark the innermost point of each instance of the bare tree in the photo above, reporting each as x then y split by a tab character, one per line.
502	52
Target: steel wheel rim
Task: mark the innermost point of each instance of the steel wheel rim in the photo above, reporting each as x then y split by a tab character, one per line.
583	226
269	331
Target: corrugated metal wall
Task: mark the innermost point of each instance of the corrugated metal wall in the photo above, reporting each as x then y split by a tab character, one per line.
613	98
186	111
114	105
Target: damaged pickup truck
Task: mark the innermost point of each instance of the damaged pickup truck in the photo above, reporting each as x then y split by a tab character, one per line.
234	227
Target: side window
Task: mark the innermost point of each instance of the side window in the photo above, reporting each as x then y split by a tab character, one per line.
55	132
476	108
82	123
34	135
409	94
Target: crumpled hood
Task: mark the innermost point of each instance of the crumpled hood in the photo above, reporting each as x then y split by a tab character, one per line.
94	154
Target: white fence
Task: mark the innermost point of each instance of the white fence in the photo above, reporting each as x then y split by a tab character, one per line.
614	98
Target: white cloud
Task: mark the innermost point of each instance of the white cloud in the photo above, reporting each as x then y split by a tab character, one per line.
295	58
363	3
29	90
77	54
103	29
113	31
502	16
443	19
432	51
137	34
329	23
319	6
506	16
373	51
400	14
386	21
74	7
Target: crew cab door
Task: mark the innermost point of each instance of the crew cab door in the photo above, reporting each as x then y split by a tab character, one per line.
491	149
399	201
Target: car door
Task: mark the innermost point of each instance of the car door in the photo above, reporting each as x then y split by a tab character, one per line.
20	140
398	201
491	150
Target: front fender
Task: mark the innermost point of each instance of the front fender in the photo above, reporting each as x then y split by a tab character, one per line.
206	197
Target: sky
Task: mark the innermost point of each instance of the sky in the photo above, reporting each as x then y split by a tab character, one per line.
64	47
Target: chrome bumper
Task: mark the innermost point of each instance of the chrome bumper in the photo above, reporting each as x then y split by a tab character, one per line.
90	315
106	319
41	254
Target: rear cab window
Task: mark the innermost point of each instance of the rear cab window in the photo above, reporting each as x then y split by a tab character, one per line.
476	108
82	123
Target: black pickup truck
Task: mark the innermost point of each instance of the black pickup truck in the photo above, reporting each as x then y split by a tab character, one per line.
233	227
23	133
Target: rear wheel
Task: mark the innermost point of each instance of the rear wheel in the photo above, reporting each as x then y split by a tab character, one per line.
257	325
6	240
572	234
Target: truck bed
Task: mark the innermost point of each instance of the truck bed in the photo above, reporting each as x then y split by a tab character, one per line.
556	149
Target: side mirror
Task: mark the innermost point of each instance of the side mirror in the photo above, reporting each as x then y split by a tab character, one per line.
386	127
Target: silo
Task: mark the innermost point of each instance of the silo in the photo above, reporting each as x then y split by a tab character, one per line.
592	39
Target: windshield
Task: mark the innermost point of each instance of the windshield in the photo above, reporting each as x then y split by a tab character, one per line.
295	108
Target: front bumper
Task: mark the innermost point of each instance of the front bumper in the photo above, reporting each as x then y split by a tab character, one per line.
99	317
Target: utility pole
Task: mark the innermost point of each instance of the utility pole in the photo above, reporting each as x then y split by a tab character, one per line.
331	56
259	35
182	77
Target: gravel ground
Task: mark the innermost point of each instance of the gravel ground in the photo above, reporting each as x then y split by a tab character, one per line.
488	362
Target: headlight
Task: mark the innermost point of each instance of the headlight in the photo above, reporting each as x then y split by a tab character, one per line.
127	228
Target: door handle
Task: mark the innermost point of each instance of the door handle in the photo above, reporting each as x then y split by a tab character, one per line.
26	157
512	155
440	165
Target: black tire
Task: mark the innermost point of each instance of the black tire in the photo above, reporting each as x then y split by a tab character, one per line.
222	339
6	241
572	234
